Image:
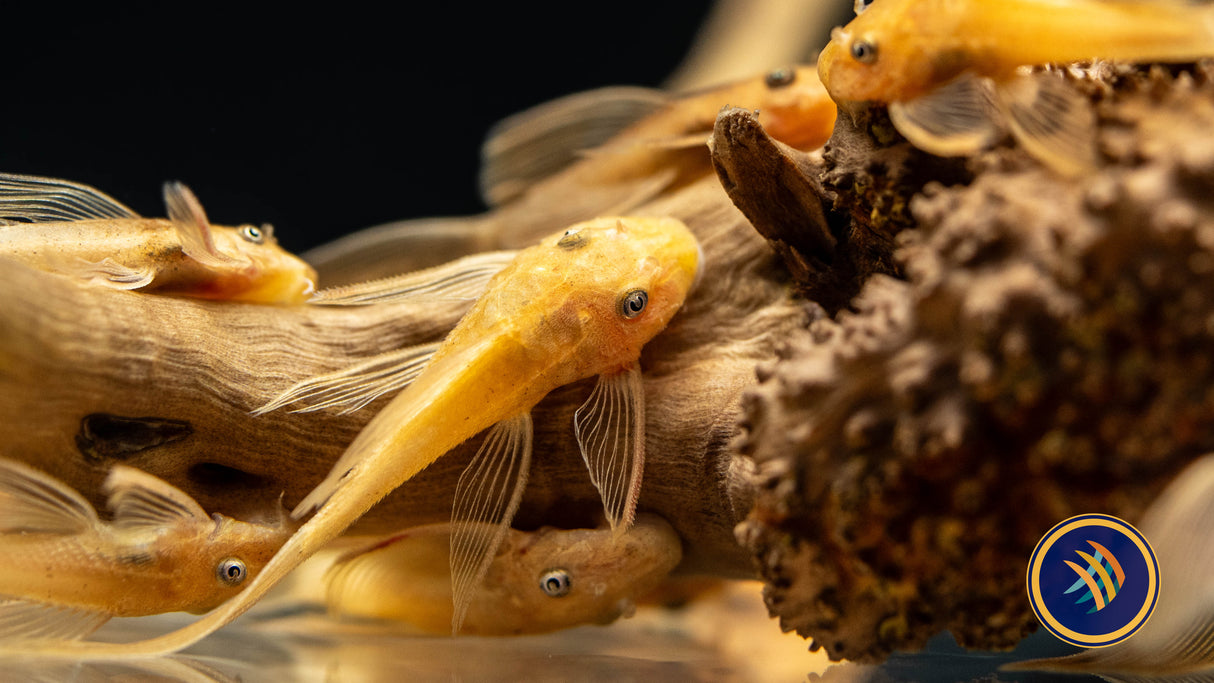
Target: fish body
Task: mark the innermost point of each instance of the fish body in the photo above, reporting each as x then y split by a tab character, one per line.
65	570
90	236
539	581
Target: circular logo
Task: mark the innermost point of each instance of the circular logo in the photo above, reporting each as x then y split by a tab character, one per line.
1093	580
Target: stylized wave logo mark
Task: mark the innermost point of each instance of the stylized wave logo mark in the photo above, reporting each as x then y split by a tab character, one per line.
1103	577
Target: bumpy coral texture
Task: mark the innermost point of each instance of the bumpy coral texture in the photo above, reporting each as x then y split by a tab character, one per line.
1051	353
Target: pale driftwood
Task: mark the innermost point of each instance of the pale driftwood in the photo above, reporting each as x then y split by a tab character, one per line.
68	351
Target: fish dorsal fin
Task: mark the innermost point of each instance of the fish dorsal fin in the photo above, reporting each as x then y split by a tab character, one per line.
193	228
610	430
541	141
352	388
1052	121
464	278
32	501
28	620
486	497
33	199
139	499
957	119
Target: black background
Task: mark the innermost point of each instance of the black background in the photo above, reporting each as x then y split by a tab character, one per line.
318	122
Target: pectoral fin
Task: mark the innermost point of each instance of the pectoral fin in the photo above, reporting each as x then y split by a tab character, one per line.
111	273
957	119
1052	121
610	430
354	387
193	228
33	199
26	620
541	141
486	498
32	501
464	278
139	499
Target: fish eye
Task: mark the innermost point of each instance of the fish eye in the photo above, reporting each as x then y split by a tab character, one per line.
252	233
632	303
555	583
778	78
864	51
861	5
231	572
572	239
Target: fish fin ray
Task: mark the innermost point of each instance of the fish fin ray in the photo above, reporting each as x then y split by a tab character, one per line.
1051	120
386	567
33	501
192	226
672	143
111	273
486	498
464	278
29	620
34	199
139	499
957	119
610	431
543	140
351	389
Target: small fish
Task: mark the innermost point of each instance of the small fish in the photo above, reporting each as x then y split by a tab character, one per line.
64	572
950	70
581	303
539	581
76	230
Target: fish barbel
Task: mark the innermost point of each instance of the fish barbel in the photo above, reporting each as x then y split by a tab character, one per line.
76	230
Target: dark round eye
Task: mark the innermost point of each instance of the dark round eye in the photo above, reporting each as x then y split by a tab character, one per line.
863	51
633	303
231	572
252	233
555	583
779	78
861	5
572	239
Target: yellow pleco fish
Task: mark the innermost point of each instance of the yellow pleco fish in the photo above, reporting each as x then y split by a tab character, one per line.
64	572
76	230
539	581
950	70
579	304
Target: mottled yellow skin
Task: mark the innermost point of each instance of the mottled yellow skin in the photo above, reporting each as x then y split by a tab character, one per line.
548	319
922	44
406	578
254	272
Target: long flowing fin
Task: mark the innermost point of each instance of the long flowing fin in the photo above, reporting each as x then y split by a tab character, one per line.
486	498
1178	639
539	142
610	430
464	278
1054	122
956	119
139	499
352	388
27	620
32	501
33	199
193	228
110	273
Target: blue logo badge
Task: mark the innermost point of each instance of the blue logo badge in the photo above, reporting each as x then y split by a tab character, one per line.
1093	580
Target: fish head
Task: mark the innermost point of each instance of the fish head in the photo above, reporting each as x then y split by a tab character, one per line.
228	558
792	105
891	52
270	273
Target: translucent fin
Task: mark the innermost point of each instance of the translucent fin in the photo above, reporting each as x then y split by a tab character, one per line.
32	501
111	273
32	199
25	620
543	140
464	278
403	563
610	430
956	119
486	498
139	499
352	388
689	141
193	228
1052	121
